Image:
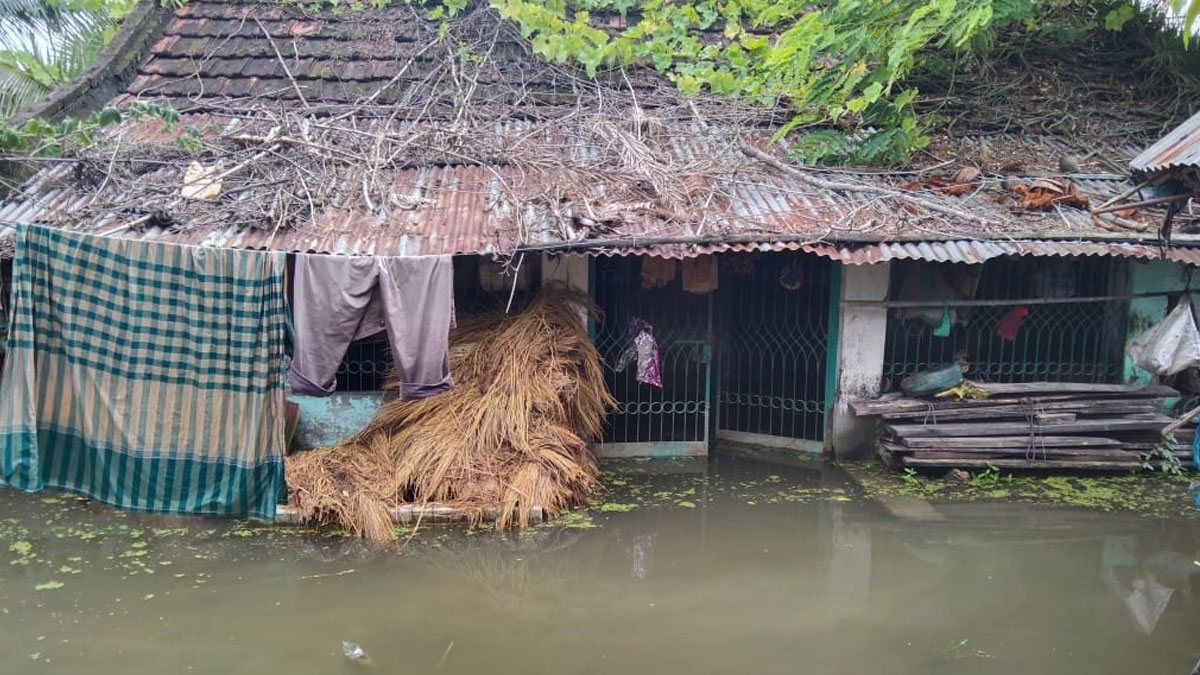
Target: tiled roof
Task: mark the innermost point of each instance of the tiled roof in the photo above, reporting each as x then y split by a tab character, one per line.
221	50
211	52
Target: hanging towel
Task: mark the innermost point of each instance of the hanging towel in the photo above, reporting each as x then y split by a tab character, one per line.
942	329
339	299
700	274
657	272
1007	326
146	376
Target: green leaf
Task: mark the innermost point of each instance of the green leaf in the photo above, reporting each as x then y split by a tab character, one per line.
1189	21
10	139
1116	19
51	149
688	84
857	104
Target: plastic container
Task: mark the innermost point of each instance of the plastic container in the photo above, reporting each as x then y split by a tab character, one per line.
932	381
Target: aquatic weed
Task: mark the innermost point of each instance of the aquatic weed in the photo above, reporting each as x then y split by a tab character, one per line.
573	520
988	476
1159	495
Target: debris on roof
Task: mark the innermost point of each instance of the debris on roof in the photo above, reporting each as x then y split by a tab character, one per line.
366	134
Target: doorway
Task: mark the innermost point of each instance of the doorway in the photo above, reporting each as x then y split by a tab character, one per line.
746	363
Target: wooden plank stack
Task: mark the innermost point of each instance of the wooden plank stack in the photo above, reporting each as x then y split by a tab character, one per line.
1034	425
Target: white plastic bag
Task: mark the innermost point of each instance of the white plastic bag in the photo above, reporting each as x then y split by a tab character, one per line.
1170	346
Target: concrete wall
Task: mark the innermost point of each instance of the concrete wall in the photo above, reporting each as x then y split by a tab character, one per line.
327	420
861	334
1150	277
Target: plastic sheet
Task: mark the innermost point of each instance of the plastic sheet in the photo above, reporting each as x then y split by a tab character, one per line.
1170	346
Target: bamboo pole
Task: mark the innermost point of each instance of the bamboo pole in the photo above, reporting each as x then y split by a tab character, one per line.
1183	419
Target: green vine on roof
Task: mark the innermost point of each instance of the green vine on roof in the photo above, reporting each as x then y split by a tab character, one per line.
839	64
39	138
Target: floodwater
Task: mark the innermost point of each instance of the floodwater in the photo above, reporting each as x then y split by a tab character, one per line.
733	565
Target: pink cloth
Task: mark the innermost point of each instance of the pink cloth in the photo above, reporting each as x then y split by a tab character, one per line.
340	299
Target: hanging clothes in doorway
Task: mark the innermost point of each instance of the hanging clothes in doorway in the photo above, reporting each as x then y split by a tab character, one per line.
1008	325
145	376
643	349
340	299
657	272
700	274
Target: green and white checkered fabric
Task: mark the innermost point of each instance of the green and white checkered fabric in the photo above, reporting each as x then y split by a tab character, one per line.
146	376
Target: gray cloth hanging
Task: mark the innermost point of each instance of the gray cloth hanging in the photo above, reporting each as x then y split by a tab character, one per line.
340	299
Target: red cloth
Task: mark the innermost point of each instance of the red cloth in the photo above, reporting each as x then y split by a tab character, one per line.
1007	327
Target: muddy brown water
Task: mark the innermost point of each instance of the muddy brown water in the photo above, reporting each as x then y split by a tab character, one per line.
730	565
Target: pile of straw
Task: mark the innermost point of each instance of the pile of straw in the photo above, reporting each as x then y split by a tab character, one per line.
528	385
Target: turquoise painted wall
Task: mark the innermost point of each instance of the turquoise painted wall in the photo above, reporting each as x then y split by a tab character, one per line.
326	420
1150	277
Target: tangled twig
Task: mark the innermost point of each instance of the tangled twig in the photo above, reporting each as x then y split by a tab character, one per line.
556	155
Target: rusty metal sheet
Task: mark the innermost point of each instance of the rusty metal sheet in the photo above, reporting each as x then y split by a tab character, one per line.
460	209
963	251
980	251
1179	148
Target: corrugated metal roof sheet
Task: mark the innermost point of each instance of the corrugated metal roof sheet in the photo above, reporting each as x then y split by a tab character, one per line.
965	251
1179	148
980	251
436	226
462	209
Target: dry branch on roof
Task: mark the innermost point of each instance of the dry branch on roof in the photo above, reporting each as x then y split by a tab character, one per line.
1097	92
556	156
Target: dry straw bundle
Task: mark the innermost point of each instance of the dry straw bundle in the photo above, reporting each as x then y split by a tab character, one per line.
527	387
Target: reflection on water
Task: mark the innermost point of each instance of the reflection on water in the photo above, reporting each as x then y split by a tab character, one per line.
726	566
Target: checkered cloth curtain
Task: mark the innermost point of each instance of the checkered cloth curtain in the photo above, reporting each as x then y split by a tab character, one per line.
146	376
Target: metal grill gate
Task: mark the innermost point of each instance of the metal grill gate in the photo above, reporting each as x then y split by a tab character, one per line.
1065	342
768	326
672	420
772	343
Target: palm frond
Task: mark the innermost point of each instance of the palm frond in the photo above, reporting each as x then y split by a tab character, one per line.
39	51
18	89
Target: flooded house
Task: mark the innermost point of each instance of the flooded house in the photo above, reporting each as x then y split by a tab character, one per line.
742	299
